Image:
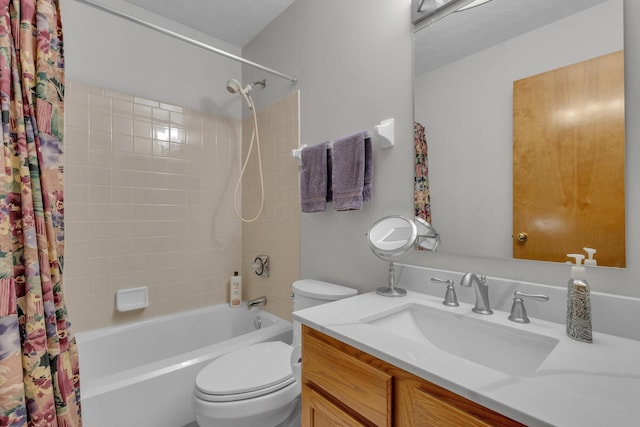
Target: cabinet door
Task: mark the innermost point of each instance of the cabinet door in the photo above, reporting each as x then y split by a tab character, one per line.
320	412
331	367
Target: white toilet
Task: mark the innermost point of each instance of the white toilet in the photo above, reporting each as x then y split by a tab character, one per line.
255	386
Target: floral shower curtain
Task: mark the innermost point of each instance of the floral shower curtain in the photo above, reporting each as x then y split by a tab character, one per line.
39	380
422	199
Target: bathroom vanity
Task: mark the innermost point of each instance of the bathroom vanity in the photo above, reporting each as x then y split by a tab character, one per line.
411	361
342	385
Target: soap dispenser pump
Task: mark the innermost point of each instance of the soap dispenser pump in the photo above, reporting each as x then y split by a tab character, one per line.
590	260
579	303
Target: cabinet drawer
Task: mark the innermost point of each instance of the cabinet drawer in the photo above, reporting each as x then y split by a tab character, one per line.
431	411
434	406
320	412
353	382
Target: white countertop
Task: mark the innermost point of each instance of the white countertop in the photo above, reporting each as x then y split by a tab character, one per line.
578	384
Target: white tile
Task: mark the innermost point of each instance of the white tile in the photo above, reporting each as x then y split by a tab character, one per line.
77	116
142	112
160	115
122	143
77	155
99	121
100	139
100	176
122	125
78	174
76	137
142	129
143	146
145	101
136	211
100	158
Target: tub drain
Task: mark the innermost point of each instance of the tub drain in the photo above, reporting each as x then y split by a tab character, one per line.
257	322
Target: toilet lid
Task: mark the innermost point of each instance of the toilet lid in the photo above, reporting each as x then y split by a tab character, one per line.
250	371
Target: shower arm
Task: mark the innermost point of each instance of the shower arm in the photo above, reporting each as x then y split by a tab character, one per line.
184	38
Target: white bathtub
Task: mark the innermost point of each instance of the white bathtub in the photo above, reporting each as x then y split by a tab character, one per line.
142	374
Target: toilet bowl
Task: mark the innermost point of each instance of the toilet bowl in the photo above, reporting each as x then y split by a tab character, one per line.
255	386
252	386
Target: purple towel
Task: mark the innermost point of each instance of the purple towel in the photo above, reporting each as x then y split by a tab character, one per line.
329	172
313	178
347	177
368	171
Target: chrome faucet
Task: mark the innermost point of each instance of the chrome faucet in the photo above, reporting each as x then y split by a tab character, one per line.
482	292
256	302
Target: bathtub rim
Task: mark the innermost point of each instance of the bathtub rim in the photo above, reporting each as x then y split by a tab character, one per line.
113	329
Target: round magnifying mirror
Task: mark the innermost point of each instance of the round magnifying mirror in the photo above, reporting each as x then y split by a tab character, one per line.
392	237
428	237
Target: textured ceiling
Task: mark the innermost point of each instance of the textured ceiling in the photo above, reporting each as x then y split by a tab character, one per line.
234	21
462	33
238	21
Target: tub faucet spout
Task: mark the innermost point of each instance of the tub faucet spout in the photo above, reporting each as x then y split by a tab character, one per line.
256	302
482	292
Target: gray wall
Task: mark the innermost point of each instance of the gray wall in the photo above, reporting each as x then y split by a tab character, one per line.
354	64
110	52
353	60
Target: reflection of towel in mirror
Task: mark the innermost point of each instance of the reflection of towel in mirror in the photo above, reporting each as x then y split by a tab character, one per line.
313	178
347	177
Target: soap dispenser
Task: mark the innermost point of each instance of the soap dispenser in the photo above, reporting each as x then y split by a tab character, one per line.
590	260
578	303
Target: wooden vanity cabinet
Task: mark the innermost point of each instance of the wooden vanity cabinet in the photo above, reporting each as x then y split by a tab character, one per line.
343	386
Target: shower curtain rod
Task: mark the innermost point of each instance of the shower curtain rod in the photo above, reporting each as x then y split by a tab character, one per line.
184	38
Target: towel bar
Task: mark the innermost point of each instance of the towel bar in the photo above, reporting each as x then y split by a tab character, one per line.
384	135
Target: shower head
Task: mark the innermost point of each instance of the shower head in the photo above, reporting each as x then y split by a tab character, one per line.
234	86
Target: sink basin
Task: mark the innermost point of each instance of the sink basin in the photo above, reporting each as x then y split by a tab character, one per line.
509	350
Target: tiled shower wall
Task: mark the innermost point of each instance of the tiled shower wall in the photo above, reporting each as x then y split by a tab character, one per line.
149	202
276	232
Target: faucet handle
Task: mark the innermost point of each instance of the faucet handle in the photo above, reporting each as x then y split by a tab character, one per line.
450	298
518	312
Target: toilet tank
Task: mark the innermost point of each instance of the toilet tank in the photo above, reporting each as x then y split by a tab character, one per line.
309	293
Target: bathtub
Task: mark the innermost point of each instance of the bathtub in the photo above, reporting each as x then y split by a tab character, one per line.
142	374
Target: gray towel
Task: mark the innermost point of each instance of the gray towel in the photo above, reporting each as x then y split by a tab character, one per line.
368	171
329	172
313	178
347	177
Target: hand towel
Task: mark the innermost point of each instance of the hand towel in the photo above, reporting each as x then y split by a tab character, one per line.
347	177
368	171
329	172
313	178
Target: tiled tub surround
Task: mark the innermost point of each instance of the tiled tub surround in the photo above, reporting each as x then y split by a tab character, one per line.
277	231
149	202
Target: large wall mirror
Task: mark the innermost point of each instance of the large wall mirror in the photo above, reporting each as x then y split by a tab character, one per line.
466	66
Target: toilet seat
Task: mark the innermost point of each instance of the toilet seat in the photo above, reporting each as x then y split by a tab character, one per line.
246	373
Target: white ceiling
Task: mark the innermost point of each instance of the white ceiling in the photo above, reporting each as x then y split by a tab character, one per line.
234	21
462	33
238	21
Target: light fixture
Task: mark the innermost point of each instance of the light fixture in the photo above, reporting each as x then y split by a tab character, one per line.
431	11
